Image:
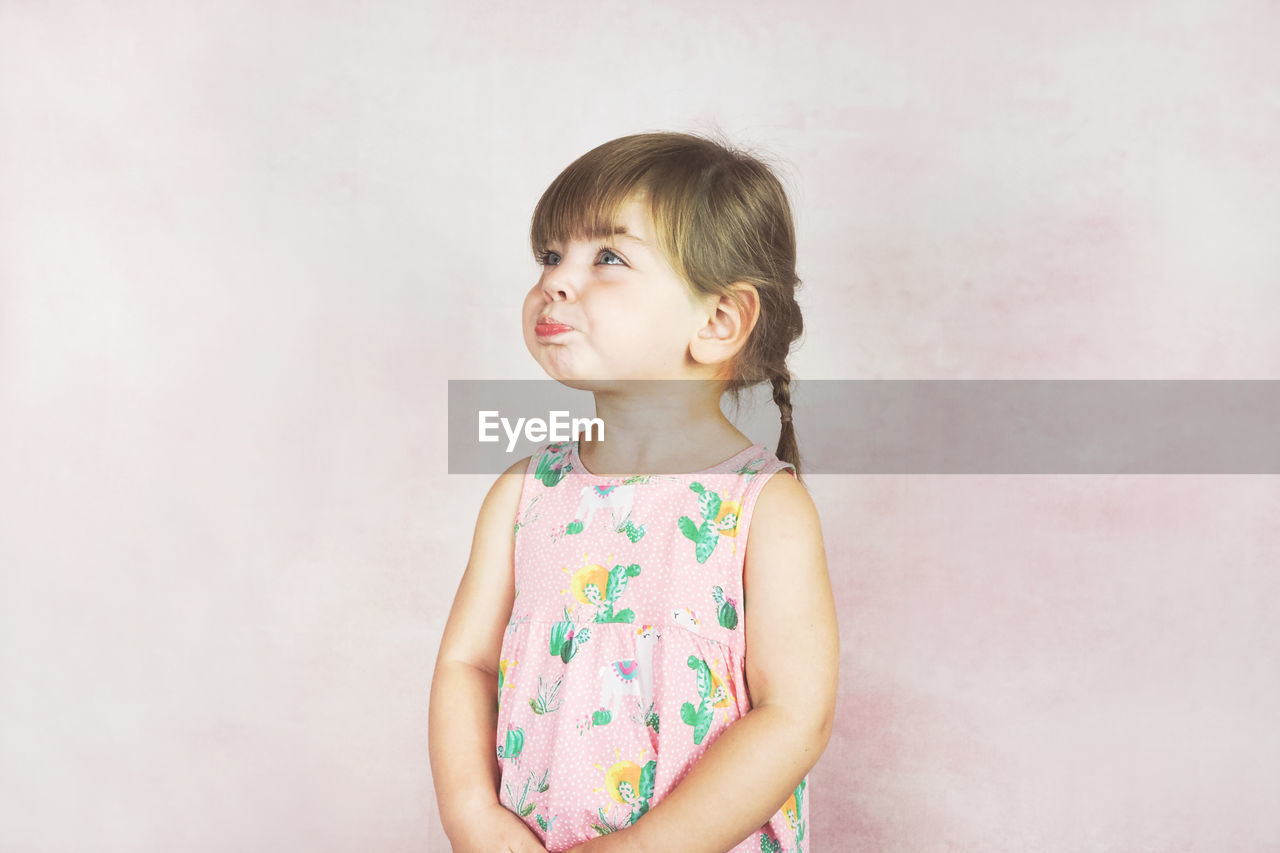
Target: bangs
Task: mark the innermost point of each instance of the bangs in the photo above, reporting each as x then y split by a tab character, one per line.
578	207
671	174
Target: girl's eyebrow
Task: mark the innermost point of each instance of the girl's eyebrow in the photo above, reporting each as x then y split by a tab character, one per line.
621	231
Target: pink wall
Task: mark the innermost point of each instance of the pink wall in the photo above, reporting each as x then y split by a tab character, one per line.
242	251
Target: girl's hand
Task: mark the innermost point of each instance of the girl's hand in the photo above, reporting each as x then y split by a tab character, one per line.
495	829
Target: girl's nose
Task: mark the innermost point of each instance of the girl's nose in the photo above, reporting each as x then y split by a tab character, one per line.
559	283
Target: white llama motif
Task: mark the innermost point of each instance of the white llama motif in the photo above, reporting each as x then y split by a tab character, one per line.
686	619
632	677
617	498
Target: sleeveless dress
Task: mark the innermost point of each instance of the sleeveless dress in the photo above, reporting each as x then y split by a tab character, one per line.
623	659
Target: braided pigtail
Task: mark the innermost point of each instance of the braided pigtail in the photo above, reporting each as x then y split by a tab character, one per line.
787	449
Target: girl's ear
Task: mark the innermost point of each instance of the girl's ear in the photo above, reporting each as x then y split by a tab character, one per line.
730	319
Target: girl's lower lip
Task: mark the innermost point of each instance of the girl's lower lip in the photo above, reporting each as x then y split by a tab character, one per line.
547	330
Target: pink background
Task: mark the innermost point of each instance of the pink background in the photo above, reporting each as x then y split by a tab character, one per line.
243	248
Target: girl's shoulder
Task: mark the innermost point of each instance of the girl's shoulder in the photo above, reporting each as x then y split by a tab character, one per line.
501	504
785	495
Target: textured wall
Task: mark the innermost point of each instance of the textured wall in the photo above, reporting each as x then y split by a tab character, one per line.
243	247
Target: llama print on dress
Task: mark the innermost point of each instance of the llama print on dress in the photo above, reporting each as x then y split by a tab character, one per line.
630	677
615	499
685	618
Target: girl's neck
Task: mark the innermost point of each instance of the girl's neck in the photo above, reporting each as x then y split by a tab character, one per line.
677	428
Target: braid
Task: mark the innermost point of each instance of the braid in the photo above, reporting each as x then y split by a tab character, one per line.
787	449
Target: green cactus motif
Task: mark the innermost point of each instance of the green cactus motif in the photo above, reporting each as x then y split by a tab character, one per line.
529	516
522	805
553	466
793	813
514	744
606	824
600	588
647	717
633	531
710	693
707	534
641	805
547	699
618	577
727	611
637	799
513	623
566	638
799	820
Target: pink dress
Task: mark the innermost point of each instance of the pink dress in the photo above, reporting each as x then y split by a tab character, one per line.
624	656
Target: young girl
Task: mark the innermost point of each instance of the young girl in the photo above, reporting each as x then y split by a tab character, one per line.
623	668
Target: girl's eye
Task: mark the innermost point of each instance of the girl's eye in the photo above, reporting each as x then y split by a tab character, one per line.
548	258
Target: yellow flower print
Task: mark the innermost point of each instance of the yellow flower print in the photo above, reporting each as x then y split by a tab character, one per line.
720	697
791	811
622	781
727	519
504	670
590	583
629	784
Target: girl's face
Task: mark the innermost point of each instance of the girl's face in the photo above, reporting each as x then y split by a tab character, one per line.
612	308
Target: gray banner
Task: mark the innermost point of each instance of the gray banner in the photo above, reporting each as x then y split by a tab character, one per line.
931	426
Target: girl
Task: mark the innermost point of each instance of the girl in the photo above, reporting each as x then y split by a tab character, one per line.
622	669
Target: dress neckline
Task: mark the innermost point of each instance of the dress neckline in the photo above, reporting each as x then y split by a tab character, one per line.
743	454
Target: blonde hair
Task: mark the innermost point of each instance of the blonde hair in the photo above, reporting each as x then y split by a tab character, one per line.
721	216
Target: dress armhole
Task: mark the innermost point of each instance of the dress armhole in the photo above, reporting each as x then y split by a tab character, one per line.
529	487
748	508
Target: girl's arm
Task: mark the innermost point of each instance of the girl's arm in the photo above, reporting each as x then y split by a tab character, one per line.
793	654
463	716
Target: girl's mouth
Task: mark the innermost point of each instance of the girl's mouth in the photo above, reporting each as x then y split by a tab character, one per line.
550	330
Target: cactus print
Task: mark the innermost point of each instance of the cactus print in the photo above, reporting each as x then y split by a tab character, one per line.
719	518
726	609
598	586
632	787
628	637
712	694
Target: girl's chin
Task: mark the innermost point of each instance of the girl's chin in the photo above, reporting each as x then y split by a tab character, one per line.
580	379
555	361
